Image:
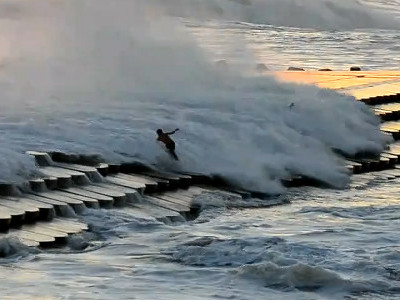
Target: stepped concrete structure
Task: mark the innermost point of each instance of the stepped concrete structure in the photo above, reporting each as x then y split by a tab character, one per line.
44	212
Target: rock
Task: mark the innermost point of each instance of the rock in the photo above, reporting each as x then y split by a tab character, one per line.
295	69
324	70
355	69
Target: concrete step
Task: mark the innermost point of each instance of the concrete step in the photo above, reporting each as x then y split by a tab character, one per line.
166	204
59	236
394	152
395	125
31	213
103	169
42	239
77	205
175	200
64	227
132	195
33	210
17	216
51	182
156	183
43	159
61	208
357	167
183	206
63	180
184	180
5	221
37	184
393	159
174	181
104	201
119	197
158	212
71	222
141	187
89	202
91	172
77	177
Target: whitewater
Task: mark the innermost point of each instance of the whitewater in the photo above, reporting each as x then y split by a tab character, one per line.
99	77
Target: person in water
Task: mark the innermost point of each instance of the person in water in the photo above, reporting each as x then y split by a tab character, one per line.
169	143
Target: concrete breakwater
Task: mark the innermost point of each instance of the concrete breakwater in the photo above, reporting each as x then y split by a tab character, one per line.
43	213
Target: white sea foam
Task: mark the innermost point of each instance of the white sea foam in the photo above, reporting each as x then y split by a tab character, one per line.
102	77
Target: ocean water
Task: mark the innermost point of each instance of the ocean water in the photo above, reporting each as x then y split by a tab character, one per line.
100	76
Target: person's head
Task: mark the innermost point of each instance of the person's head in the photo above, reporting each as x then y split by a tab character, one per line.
159	131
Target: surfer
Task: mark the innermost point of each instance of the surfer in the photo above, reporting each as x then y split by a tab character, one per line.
164	137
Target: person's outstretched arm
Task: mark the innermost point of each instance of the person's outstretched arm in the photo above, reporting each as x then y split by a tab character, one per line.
172	132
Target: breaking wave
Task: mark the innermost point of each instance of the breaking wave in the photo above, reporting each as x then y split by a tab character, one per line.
101	77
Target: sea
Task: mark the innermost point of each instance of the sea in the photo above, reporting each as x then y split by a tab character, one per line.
100	76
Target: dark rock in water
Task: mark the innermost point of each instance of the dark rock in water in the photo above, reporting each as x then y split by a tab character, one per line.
324	70
261	68
222	64
203	241
355	69
295	69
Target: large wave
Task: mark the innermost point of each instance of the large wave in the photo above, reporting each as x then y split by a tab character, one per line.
102	76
